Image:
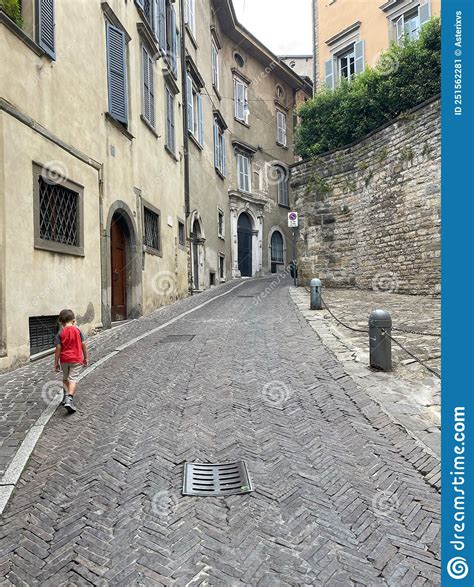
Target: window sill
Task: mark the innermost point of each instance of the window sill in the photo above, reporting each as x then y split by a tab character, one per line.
221	236
284	206
149	126
219	173
182	247
282	146
195	141
152	251
191	35
242	122
119	126
171	153
62	249
22	36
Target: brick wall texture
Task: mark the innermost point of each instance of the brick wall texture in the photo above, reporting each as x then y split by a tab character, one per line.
370	213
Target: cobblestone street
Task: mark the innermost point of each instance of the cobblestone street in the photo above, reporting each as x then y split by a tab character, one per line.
343	494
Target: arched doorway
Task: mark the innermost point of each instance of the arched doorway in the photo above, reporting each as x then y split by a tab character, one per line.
244	239
119	234
196	245
276	253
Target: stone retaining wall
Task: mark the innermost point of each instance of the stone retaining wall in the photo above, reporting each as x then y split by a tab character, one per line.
370	213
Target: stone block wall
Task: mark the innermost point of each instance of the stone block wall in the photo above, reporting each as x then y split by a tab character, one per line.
370	213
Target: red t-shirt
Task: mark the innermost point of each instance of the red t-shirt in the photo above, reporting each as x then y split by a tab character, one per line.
70	338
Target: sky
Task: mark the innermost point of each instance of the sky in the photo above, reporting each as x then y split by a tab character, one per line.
284	30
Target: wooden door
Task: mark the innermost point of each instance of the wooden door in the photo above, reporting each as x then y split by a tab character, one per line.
244	238
119	277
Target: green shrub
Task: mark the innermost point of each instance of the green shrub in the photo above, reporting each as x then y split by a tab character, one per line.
404	77
12	9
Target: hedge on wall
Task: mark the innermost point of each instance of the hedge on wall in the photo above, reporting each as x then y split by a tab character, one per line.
12	9
404	77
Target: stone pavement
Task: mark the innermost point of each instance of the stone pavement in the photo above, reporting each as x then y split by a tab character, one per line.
410	394
338	499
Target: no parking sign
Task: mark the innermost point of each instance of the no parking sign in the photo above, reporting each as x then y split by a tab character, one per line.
292	219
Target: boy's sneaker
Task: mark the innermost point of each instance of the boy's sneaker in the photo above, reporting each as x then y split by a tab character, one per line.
64	398
69	405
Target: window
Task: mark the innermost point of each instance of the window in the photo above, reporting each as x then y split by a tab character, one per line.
212	278
219	147
45	26
151	221
243	172
181	234
277	248
409	24
280	92
239	59
281	128
170	123
215	65
222	267
147	10
220	223
191	15
241	101
345	64
43	330
282	185
194	100
58	213
117	74
148	87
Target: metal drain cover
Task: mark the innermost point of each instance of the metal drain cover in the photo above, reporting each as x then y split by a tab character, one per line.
216	479
178	338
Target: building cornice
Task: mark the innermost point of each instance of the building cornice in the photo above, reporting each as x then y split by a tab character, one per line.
347	31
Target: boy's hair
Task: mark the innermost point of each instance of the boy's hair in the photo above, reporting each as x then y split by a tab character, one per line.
66	316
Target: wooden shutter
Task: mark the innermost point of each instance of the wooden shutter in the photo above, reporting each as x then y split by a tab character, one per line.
239	100
199	119
224	156
170	131
400	30
160	24
151	89
216	145
424	13
190	103
45	27
117	77
174	43
146	85
359	64
329	73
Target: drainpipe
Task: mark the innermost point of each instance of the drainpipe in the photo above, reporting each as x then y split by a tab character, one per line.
184	83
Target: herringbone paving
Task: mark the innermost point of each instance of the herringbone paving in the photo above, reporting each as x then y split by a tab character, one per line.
337	499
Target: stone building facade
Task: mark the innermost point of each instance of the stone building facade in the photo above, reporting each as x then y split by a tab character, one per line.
351	34
108	200
370	213
240	119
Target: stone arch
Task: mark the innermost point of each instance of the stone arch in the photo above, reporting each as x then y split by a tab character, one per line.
198	250
273	230
121	213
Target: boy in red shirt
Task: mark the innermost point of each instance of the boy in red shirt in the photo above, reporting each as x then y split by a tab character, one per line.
71	353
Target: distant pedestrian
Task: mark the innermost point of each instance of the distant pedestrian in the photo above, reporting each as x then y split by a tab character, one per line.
70	355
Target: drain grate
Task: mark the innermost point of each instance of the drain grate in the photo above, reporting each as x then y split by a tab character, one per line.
216	479
178	338
247	296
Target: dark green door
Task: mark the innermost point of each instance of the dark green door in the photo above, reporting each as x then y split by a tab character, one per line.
244	237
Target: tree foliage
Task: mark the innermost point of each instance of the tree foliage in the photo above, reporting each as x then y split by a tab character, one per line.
405	76
12	9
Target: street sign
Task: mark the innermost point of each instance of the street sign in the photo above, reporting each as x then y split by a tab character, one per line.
293	219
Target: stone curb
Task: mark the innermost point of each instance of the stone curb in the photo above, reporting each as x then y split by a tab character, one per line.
17	465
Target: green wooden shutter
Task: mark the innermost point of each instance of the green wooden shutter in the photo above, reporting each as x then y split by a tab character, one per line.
190	103
45	26
359	49
424	13
161	24
199	119
329	73
116	72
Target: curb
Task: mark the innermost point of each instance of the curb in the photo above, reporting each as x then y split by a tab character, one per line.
17	465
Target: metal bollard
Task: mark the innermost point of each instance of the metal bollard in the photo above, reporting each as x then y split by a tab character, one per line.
380	344
315	287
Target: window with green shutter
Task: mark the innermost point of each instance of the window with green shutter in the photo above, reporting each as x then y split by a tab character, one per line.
45	26
117	73
148	91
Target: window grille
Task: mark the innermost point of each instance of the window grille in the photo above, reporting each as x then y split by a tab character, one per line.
152	229
43	330
181	234
59	213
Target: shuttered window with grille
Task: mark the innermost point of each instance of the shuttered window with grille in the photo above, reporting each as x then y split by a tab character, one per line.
43	330
152	229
